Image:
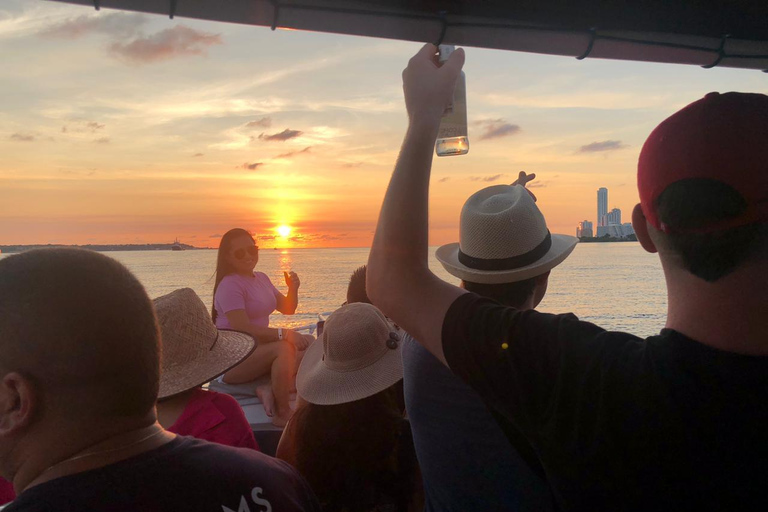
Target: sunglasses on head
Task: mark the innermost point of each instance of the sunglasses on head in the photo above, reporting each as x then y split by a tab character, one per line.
240	253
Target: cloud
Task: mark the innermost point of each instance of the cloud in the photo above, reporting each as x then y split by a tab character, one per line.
252	166
116	25
536	184
22	137
606	145
351	165
284	135
267	237
197	155
486	178
443	180
497	128
264	122
215	236
102	140
82	126
167	44
291	154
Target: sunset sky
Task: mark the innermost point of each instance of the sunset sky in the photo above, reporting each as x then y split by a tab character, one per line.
128	128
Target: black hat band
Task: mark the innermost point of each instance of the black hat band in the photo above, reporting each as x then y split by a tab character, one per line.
511	263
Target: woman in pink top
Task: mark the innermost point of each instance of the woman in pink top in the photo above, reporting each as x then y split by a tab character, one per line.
243	300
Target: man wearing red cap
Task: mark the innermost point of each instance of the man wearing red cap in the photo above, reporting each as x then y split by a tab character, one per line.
673	422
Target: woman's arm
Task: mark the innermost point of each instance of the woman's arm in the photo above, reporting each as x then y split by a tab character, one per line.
239	321
287	304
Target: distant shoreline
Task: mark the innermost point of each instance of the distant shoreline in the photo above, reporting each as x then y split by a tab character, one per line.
606	240
10	249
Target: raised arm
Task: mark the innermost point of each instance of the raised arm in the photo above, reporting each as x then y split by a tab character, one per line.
287	304
398	279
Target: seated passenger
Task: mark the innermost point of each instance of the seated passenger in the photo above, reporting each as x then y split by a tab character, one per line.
79	376
243	300
348	437
194	353
472	464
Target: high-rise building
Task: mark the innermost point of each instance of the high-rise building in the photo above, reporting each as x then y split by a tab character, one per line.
616	230
584	230
602	205
613	218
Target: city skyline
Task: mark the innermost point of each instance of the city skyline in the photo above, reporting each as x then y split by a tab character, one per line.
120	127
607	222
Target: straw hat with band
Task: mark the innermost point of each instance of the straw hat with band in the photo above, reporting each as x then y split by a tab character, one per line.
194	351
360	355
503	238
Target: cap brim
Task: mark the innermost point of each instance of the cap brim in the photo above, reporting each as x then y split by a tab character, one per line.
317	384
230	349
562	246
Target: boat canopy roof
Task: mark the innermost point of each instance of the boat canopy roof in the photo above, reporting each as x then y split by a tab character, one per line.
708	33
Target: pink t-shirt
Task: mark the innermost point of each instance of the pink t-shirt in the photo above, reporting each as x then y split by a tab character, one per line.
256	295
217	418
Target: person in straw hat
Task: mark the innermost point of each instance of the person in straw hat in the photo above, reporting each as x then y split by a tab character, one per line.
195	352
348	437
482	469
674	421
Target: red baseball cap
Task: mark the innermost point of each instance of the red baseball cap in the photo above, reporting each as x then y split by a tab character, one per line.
722	137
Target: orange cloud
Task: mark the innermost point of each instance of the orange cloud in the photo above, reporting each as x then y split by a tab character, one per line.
167	44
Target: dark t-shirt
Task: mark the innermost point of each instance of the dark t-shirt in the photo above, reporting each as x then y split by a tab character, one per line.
619	422
185	474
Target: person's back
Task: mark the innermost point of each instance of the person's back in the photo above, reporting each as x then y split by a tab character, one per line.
184	474
674	422
467	462
79	346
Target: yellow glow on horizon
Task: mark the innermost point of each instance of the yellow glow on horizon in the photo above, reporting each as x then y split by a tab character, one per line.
284	231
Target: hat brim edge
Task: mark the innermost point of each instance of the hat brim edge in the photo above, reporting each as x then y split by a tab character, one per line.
562	246
188	375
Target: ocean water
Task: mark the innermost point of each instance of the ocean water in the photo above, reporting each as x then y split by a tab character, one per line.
615	285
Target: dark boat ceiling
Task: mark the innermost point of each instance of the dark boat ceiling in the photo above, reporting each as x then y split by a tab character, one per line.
726	33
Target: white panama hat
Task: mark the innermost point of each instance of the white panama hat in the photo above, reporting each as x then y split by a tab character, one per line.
503	238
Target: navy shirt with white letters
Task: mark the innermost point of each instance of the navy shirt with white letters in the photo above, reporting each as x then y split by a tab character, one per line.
185	474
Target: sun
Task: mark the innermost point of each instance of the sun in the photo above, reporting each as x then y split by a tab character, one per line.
284	231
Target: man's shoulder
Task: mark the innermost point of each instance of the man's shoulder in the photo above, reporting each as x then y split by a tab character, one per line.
185	474
214	456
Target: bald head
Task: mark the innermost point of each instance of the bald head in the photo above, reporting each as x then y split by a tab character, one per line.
80	326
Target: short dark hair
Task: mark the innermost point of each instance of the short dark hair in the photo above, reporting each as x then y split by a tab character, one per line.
81	326
356	291
687	207
509	294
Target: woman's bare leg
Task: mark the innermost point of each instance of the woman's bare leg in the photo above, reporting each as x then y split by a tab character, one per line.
283	379
277	358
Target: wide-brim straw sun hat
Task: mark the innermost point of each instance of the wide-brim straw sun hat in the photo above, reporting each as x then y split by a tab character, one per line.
359	356
503	238
194	351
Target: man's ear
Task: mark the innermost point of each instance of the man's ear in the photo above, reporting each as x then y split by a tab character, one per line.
18	403
640	225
